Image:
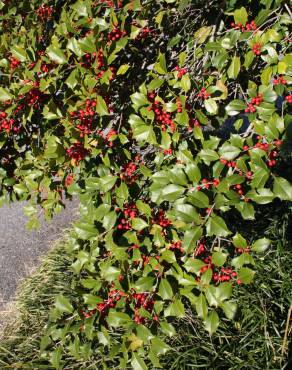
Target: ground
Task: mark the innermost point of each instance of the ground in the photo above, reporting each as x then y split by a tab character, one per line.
20	250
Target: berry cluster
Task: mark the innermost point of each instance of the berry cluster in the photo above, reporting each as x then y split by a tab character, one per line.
142	300
77	152
228	163
162	117
7	124
280	80
116	34
113	297
144	33
45	68
14	63
181	71
256	101
193	123
69	180
200	249
161	220
218	274
257	48
84	117
242	250
34	97
109	136
88	59
128	172
288	98
272	161
205	184
250	108
167	151
225	274
247	28
203	94
179	105
238	189
45	11
177	246
130	211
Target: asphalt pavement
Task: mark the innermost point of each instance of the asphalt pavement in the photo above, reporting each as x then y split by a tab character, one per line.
20	250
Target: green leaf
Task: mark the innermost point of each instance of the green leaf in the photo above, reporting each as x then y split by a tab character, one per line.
201	306
139	224
261	245
190	237
193	172
194	265
87	44
175	309
106	183
55	358
19	53
234	67
240	16
219	258
172	192
56	54
109	220
73	45
266	75
167	328
144	333
229	309
72	81
101	106
165	290
143	208
224	291
160	66
243	259
216	226
158	346
85	230
228	152
245	275
239	241
249	57
261	196
186	213
116	319
208	155
185	83
5	95
282	188
212	322
235	107
137	362
211	106
144	284
199	199
260	178
206	277
123	69
139	99
202	34
63	304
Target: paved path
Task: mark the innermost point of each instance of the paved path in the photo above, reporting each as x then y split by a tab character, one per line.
19	249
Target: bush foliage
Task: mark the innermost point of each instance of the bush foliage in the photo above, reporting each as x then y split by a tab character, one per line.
170	122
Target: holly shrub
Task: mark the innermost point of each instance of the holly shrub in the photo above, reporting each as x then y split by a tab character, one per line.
169	120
